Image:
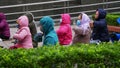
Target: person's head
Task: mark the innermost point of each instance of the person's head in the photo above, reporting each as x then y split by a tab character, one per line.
30	17
84	18
78	23
65	19
2	16
46	24
22	21
96	14
100	14
80	16
84	22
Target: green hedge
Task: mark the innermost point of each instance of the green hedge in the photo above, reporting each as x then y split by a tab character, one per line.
105	55
112	19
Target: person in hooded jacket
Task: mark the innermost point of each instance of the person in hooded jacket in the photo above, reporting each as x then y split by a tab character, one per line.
100	30
23	35
65	31
4	27
50	37
82	30
32	28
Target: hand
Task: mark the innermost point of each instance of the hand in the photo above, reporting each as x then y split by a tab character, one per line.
38	37
91	21
73	28
78	23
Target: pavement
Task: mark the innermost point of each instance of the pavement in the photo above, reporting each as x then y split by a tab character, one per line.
8	43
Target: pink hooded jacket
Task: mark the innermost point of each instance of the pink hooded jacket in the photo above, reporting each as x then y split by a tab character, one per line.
65	32
23	35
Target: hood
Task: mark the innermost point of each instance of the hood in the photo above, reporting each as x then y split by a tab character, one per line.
65	19
85	19
102	13
23	21
30	17
2	16
47	24
85	23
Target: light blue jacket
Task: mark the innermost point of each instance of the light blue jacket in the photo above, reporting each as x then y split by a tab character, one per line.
50	36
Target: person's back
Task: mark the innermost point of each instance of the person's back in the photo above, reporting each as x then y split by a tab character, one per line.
100	30
32	28
83	30
47	27
4	28
65	32
23	34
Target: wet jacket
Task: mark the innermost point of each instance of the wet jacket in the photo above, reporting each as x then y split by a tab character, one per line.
65	32
23	34
82	32
32	28
50	36
100	30
4	27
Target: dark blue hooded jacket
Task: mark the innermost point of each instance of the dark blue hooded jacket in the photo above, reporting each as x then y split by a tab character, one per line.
100	30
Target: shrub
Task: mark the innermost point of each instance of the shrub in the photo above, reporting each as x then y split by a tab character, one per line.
105	55
111	19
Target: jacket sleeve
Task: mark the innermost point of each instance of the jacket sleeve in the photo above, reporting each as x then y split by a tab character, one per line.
49	41
2	24
20	36
96	26
78	30
62	30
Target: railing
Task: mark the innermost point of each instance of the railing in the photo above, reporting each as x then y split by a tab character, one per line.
60	8
10	6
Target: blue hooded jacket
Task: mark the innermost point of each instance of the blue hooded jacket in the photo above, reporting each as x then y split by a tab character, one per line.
100	30
50	36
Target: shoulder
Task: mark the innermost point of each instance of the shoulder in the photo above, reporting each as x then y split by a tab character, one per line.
51	35
97	23
101	23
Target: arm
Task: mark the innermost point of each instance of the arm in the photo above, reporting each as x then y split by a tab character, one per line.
78	30
49	41
96	25
62	30
2	24
21	35
95	28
